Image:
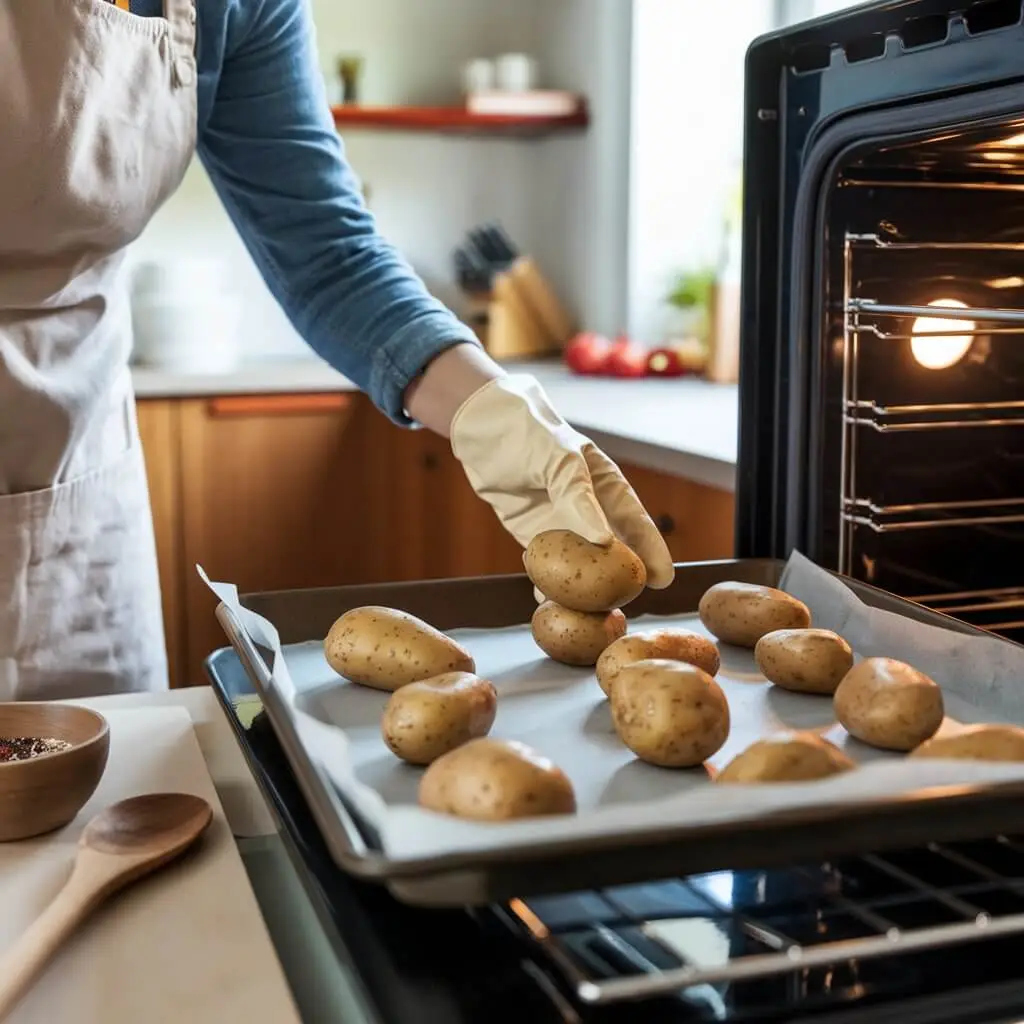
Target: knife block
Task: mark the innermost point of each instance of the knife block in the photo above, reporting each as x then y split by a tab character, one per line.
523	318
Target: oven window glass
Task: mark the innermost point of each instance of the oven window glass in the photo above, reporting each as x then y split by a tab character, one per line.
925	373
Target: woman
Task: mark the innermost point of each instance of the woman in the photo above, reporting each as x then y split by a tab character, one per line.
103	107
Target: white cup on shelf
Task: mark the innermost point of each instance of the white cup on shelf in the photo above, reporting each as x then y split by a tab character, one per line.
515	72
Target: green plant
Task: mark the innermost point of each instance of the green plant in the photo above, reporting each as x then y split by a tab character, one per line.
692	289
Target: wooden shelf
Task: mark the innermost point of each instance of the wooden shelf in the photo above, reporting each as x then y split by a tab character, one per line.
454	120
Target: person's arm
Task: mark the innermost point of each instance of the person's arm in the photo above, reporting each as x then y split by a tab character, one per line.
278	165
274	157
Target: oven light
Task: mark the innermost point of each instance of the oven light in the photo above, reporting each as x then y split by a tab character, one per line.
939	353
1013	141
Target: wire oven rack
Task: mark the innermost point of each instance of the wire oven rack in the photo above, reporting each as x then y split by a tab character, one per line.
865	317
640	942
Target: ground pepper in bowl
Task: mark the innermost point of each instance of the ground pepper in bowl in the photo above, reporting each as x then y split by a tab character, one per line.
22	748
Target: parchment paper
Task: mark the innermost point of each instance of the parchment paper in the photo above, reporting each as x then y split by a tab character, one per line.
562	712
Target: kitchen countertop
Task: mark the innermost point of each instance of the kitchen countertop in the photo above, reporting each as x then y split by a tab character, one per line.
324	985
685	428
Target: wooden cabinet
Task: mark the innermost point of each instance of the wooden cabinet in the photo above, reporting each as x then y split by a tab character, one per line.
286	491
697	521
158	428
266	502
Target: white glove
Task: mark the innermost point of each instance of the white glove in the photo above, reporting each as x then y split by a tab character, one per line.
538	474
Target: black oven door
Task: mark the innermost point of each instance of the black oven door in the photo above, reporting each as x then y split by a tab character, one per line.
882	180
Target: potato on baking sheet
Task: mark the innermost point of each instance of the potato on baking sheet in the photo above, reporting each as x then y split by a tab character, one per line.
673	644
582	576
889	704
385	649
786	757
668	713
496	780
804	660
742	613
975	743
426	719
575	638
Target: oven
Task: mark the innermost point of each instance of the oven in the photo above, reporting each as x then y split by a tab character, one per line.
882	384
882	433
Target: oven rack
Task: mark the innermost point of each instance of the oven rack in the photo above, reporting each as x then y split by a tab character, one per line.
641	970
867	317
893	419
1001	609
932	515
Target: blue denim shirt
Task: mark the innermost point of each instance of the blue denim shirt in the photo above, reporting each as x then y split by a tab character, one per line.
267	139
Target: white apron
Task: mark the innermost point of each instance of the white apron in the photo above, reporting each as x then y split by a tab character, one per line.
97	128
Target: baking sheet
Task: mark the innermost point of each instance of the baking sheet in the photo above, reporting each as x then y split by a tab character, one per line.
562	712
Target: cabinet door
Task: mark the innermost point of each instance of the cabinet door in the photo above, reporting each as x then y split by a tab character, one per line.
423	520
267	501
158	428
697	521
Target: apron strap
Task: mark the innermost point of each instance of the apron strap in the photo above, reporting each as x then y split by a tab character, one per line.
181	15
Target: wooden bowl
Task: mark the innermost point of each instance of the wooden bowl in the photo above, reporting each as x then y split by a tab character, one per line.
45	792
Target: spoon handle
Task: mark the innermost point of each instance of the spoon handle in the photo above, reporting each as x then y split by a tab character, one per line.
20	965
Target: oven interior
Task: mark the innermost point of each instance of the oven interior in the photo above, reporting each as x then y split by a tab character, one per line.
921	380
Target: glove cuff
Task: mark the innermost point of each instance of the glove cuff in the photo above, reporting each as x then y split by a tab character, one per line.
492	402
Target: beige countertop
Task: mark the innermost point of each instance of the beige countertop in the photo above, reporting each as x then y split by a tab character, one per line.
323	982
686	428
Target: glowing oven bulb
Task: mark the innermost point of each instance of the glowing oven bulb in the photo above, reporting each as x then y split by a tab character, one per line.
941	353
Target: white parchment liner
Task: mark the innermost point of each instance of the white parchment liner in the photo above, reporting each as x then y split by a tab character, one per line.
562	712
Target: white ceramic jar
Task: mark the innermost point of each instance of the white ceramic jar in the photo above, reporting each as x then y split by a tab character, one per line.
185	316
515	72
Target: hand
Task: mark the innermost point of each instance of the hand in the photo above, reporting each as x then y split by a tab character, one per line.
538	474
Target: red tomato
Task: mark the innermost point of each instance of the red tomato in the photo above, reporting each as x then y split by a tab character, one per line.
587	353
627	359
665	362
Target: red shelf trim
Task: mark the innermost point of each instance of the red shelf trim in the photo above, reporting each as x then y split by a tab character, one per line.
452	119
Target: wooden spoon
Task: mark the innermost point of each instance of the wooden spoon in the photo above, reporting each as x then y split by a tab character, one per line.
121	844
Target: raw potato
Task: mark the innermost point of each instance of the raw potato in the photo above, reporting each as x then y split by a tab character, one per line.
976	743
786	757
668	713
385	648
888	704
804	660
583	576
496	780
672	644
742	613
575	638
424	720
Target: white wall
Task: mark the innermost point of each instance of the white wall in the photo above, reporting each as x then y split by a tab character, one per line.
793	11
562	199
582	183
686	140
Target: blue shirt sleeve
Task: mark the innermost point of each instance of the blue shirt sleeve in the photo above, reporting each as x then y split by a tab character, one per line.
272	152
